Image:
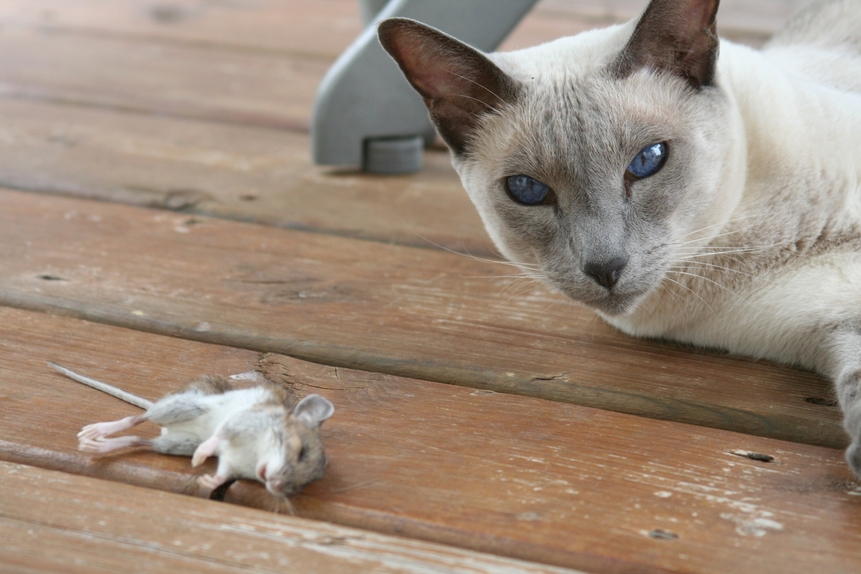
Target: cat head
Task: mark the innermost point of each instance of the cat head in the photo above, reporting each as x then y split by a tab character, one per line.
598	159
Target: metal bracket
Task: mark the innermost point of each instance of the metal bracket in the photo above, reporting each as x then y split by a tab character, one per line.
366	114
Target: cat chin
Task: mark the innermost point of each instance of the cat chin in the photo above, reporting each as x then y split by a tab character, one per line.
613	305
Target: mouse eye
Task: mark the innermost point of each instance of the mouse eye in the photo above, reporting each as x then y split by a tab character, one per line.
527	190
649	161
302	453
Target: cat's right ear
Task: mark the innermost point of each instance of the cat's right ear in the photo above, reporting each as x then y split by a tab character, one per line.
459	84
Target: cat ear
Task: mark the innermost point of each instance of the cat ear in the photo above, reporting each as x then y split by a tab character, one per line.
458	83
676	36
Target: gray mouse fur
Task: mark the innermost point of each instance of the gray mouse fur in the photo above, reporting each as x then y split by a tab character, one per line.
254	431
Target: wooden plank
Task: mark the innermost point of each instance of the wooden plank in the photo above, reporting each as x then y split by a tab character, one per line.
322	28
248	173
400	310
152	77
326	28
515	476
52	521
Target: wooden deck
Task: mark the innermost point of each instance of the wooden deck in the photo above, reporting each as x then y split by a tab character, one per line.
161	219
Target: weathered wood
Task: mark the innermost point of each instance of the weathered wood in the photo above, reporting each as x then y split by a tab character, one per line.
52	522
515	476
152	77
126	56
320	29
325	28
400	310
241	172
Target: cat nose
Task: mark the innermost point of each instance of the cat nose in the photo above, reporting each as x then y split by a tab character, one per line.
606	274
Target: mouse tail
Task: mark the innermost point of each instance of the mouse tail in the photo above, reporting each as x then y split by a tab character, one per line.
104	387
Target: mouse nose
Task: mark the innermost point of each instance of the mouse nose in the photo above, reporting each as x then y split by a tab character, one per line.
607	273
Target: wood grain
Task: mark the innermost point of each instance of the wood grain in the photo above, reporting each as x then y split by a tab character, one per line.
514	476
240	172
152	77
400	310
319	29
52	522
224	62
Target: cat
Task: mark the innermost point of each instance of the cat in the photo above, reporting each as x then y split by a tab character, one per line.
682	186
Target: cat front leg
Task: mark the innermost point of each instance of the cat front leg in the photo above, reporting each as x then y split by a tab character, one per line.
847	352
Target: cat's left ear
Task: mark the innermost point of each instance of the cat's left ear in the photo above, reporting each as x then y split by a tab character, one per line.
675	36
459	84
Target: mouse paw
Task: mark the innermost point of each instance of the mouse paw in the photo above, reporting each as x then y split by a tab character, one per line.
99	430
205	450
210	481
93	431
104	445
90	445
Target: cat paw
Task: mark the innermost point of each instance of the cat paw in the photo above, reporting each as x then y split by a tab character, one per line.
853	457
849	391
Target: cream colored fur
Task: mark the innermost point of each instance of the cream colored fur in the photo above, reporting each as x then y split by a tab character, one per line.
748	239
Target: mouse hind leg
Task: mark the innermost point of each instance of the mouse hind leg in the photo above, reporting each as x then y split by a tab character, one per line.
177	443
99	430
101	445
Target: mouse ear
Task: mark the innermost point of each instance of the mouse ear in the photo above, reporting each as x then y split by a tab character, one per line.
313	410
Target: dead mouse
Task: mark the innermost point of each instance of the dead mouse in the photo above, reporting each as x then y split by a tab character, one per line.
253	431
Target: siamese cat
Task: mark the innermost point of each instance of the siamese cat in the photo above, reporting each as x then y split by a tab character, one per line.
682	186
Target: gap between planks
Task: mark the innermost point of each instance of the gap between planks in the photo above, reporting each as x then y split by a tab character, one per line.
52	521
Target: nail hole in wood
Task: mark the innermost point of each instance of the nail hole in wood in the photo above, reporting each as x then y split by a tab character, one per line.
753	455
659	534
50	278
821	401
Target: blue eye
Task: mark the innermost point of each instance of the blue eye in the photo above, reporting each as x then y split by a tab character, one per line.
649	161
526	190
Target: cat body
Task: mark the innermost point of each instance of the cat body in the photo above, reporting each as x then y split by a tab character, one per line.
736	225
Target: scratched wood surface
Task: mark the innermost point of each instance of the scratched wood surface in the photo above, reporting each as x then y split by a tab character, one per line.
525	478
473	409
56	522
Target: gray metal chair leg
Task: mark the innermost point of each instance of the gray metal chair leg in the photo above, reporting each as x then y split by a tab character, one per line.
366	114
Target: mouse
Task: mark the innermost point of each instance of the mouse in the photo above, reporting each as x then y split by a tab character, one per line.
255	432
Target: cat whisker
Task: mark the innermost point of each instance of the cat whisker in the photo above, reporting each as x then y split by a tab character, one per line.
482	86
721	286
733	220
501	261
672	292
685	287
714	266
529	286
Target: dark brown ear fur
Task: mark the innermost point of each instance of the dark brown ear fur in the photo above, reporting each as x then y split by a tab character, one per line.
458	83
675	36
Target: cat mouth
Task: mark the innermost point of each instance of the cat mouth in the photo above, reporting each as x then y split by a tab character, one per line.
612	303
